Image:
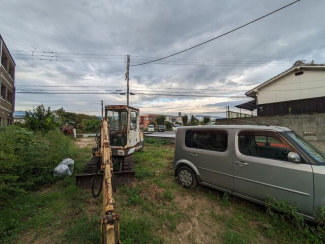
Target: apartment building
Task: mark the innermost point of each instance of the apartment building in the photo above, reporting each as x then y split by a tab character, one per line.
7	85
146	119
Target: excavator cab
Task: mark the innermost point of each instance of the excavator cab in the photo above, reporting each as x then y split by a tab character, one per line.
124	129
125	139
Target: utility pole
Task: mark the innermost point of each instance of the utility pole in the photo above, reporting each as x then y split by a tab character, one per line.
127	79
102	103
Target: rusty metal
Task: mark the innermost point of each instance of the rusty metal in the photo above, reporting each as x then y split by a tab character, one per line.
114	165
108	218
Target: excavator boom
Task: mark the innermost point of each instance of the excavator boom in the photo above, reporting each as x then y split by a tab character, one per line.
109	220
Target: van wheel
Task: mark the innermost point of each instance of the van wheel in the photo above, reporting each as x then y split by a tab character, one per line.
187	177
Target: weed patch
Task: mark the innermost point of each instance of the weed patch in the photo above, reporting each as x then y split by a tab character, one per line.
27	159
158	141
133	194
168	195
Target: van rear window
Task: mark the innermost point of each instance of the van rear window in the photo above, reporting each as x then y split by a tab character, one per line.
207	140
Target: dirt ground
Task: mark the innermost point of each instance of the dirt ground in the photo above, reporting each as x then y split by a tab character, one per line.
86	142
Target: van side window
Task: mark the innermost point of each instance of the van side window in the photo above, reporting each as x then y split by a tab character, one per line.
264	144
207	140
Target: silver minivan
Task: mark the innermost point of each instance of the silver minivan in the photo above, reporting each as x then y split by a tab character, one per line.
252	162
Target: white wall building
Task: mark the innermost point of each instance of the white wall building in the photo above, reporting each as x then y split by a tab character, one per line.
298	90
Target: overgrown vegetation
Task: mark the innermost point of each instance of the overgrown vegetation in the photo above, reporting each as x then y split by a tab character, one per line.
27	159
82	122
90	125
41	119
153	209
156	141
282	211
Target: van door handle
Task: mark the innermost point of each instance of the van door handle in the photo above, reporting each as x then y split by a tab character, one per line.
193	154
241	163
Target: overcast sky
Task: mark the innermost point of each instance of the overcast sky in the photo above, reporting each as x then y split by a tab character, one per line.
91	38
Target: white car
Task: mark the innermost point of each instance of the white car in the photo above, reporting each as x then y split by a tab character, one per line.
151	128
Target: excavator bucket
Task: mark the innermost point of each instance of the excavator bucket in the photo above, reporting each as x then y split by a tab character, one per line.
123	175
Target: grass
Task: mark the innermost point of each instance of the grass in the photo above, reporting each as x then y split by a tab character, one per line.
153	209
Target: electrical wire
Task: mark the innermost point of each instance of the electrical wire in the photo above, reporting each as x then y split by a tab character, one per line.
115	93
217	37
110	57
19	41
138	92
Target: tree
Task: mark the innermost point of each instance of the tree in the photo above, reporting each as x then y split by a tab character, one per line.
91	125
206	119
192	120
168	125
153	123
76	119
41	119
185	119
160	119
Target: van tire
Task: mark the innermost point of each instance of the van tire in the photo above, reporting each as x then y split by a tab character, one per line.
186	177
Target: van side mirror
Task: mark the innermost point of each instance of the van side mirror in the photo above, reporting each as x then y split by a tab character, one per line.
293	157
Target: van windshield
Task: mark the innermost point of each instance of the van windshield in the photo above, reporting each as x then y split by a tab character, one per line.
316	154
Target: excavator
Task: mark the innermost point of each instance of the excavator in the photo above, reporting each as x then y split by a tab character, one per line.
118	137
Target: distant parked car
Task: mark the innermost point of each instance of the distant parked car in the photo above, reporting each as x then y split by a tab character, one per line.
151	128
253	162
175	126
161	128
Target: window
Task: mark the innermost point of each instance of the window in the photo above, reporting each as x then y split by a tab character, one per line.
4	61
207	140
10	97
264	144
309	148
3	91
133	120
11	71
117	119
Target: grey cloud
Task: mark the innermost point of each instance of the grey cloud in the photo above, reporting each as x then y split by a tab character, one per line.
154	29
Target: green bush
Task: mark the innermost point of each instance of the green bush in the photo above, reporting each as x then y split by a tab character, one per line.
41	119
27	159
90	125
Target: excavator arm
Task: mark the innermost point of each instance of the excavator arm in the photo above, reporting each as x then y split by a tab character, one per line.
109	220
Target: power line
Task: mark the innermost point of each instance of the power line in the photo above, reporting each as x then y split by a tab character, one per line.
214	65
115	93
19	41
110	57
181	64
190	61
87	54
70	60
144	90
136	90
224	34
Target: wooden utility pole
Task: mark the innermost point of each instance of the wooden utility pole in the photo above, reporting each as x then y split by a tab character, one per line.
102	103
127	79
